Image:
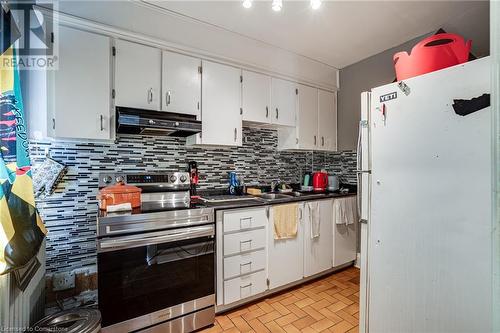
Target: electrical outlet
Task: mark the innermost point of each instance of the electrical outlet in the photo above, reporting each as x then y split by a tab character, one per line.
63	281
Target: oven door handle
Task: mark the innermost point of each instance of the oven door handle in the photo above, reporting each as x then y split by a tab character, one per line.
168	236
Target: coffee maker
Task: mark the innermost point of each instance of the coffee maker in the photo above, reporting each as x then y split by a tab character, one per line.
193	172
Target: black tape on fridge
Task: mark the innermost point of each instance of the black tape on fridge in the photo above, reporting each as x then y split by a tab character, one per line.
464	107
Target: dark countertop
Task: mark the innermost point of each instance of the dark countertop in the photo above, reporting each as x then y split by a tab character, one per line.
256	203
198	203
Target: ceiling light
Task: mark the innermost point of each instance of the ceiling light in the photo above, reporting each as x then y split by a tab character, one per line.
247	3
315	4
277	5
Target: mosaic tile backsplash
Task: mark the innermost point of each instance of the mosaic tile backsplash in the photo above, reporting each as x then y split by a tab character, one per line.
70	212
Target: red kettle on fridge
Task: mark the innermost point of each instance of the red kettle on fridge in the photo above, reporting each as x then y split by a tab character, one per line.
320	181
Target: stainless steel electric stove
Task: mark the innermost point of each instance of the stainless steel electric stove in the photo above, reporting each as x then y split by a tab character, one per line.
156	264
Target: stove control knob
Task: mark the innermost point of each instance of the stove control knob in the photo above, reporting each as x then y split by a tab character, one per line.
183	178
120	179
107	179
173	179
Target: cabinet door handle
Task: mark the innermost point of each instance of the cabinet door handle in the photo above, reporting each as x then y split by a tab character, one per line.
235	134
53	123
323	141
150	95
300	213
168	98
267	112
315	140
102	125
277	113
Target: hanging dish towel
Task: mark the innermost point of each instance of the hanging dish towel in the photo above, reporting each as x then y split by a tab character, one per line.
285	221
314	218
345	210
46	176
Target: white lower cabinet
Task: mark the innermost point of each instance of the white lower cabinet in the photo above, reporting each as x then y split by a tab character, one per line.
285	256
244	286
241	254
244	241
250	261
344	243
244	263
318	250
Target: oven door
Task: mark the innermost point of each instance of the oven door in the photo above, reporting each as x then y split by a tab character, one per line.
153	277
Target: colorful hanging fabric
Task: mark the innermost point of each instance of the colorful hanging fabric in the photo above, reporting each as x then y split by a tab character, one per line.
21	229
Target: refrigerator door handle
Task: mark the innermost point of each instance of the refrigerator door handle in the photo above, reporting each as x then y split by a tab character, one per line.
359	171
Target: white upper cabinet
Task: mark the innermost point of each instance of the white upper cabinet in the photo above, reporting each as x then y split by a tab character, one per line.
137	76
181	84
284	100
327	121
221	100
79	102
307	118
256	97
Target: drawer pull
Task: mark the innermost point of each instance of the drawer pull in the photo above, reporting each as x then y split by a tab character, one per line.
245	264
245	222
246	241
246	286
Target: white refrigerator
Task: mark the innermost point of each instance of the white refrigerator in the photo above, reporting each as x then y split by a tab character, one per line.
425	184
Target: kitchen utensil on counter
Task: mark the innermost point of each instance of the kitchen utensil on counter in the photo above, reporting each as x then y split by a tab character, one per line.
306	188
235	183
333	183
307	180
118	194
194	176
254	191
320	181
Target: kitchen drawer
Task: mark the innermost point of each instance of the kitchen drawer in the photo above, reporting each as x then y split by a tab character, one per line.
244	241
244	286
244	219
244	263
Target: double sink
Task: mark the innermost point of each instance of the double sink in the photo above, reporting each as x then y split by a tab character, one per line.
286	196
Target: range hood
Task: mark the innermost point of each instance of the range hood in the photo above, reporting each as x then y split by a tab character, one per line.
146	122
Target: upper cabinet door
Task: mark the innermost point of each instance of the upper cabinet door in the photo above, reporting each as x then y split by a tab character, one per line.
256	97
221	98
327	121
307	118
181	84
80	100
137	76
284	101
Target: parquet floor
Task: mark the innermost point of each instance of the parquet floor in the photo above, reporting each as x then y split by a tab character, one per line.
330	304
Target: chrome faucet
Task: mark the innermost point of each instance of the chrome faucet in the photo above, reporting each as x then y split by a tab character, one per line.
274	183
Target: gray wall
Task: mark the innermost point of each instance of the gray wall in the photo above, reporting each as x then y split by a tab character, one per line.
354	79
378	69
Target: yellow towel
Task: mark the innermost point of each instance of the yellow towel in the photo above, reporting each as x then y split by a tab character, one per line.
285	221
